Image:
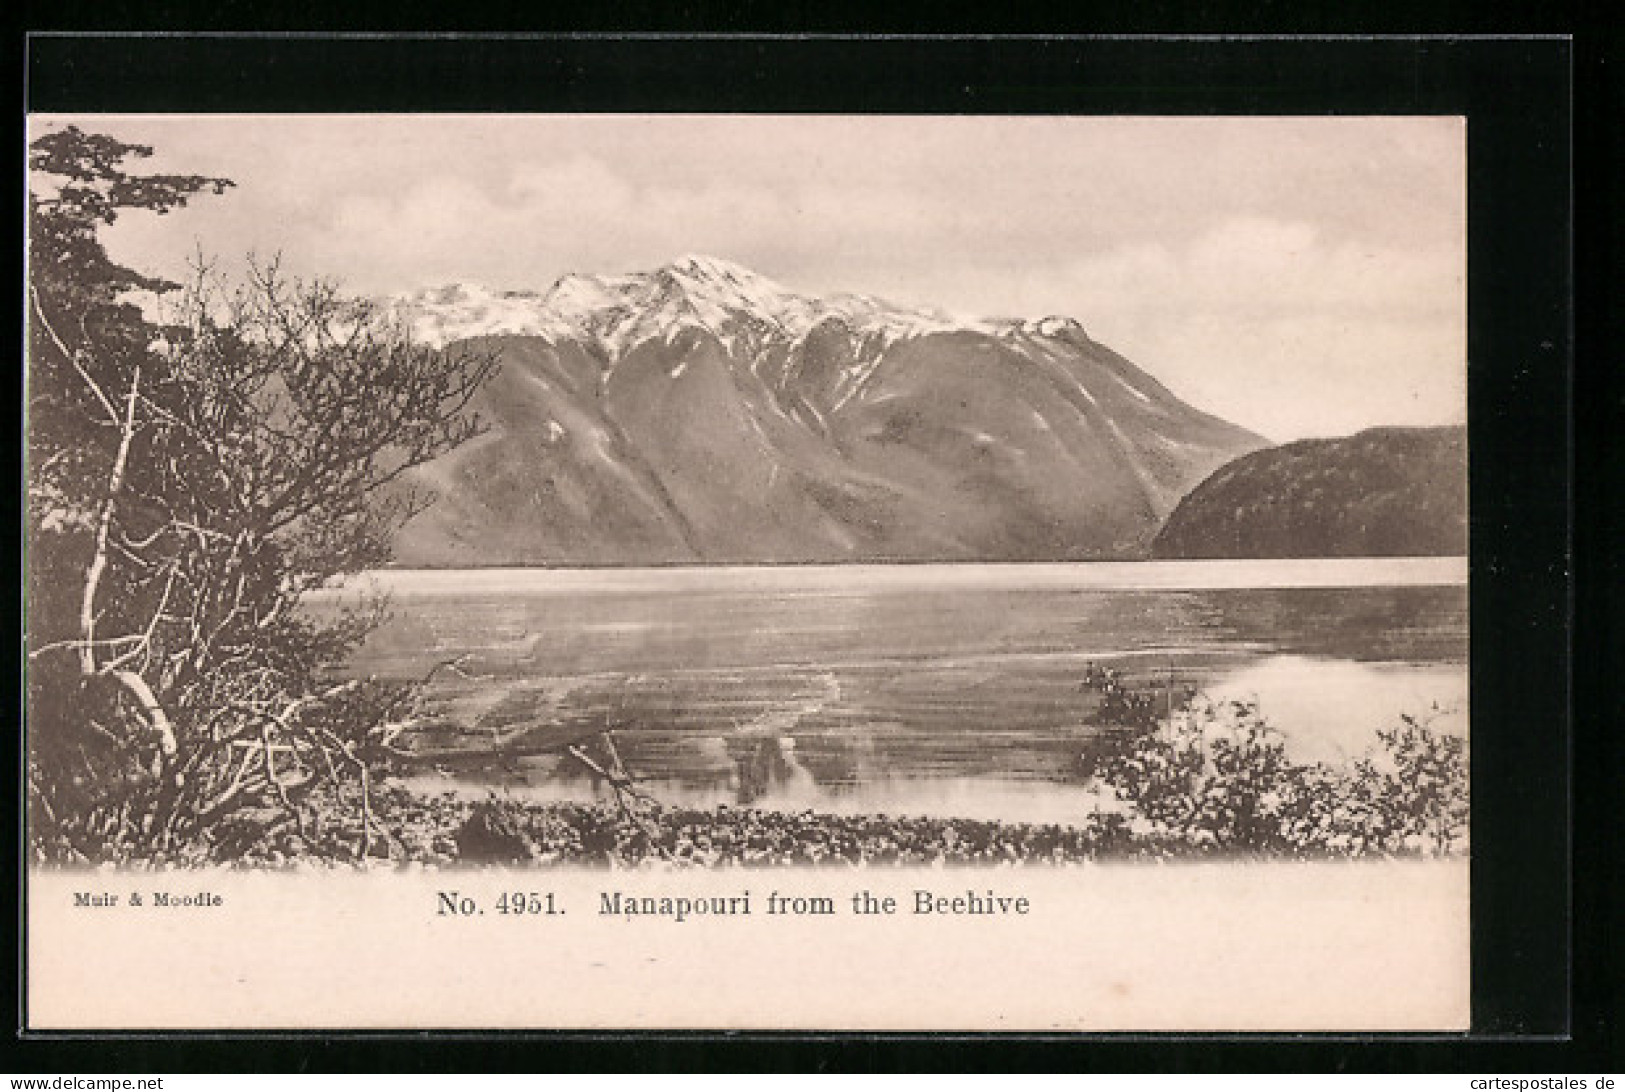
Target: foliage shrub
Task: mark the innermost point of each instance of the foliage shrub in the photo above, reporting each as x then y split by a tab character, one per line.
1217	776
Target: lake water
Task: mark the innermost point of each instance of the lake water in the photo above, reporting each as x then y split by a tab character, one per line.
923	689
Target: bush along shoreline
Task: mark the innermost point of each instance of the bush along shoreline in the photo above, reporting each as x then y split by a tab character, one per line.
1180	777
1216	776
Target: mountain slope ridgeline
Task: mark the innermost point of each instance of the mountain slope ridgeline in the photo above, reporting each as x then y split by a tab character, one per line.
702	413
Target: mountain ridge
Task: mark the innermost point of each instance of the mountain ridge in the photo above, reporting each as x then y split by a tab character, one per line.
613	308
701	412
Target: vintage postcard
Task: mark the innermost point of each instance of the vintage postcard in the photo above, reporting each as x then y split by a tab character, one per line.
966	573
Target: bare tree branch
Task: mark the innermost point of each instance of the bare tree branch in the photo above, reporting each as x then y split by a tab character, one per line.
98	563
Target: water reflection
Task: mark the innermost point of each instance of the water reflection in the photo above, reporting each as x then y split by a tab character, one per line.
767	765
957	696
1331	710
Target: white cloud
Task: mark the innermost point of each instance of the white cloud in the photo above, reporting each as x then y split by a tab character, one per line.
1269	324
580	214
1255	265
1220	254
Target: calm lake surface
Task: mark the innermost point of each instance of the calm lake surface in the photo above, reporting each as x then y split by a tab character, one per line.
922	689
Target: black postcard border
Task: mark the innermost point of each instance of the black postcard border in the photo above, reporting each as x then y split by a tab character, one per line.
1516	93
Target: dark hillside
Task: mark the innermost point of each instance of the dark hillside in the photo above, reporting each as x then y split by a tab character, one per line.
1384	492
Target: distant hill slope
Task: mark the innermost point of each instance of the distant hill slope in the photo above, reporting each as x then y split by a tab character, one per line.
1384	492
702	413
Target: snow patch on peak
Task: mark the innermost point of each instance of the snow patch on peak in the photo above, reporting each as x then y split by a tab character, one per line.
447	293
1052	326
741	308
713	288
572	293
717	269
1057	326
454	311
1132	389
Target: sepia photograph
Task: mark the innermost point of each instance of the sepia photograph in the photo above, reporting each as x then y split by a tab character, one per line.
694	536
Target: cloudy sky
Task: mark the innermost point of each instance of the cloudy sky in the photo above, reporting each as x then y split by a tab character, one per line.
1300	276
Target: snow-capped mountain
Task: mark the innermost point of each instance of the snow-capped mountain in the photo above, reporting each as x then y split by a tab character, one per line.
617	313
701	411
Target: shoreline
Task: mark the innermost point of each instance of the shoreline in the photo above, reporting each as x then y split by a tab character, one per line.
451	831
1151	574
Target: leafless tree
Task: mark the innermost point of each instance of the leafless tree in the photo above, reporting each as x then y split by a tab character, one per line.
189	483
